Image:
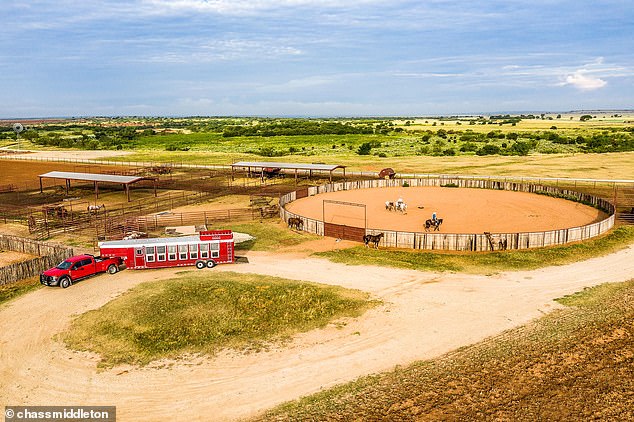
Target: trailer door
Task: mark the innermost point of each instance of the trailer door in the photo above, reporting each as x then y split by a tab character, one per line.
139	256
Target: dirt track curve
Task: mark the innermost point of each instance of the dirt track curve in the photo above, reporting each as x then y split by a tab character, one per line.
423	315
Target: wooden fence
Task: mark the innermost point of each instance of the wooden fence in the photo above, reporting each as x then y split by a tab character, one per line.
466	241
48	256
152	222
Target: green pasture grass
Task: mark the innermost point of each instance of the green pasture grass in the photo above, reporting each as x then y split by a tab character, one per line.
484	262
19	288
572	364
204	313
616	165
269	236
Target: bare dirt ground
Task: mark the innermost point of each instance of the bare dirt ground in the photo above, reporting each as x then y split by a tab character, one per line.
423	315
463	210
24	174
11	257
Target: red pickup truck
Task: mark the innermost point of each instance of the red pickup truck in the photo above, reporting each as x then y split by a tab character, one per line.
78	267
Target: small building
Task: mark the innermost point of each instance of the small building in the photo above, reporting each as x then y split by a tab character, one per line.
206	249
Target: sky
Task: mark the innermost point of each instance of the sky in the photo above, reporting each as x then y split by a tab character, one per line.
319	58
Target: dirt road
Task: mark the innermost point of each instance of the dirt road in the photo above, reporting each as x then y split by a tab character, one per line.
423	315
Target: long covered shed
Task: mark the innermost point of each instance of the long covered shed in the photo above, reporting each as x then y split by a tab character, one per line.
264	166
96	178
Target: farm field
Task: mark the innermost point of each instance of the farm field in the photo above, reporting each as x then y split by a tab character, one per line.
549	145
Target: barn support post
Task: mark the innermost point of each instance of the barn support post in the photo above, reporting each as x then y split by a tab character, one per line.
155	181
41	191
127	192
96	191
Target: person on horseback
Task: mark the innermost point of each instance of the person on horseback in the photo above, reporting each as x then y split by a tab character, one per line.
434	218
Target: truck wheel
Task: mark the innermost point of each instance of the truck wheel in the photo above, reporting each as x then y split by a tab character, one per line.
200	264
211	263
65	283
112	269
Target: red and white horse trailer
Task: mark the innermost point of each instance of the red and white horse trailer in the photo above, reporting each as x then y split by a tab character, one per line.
205	250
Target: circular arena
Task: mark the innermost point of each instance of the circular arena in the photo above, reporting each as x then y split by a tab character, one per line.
477	215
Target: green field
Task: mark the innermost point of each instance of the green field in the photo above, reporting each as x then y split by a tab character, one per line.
485	262
196	313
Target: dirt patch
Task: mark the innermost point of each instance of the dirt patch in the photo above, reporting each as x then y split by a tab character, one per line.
11	257
24	174
463	210
423	316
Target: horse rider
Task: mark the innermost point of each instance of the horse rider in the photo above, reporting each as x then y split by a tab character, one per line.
434	217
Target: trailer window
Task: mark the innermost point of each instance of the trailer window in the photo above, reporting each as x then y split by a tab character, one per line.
160	253
182	252
171	253
149	254
204	250
193	251
215	250
139	251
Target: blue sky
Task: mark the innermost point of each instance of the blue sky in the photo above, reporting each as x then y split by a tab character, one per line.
313	58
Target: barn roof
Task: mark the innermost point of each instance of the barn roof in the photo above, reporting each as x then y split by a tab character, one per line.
92	177
292	166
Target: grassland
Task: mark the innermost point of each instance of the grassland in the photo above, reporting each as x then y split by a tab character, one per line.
573	364
486	262
557	146
206	313
13	290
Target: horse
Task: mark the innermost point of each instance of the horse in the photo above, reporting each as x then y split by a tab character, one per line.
431	223
296	222
503	244
96	208
372	238
389	205
402	207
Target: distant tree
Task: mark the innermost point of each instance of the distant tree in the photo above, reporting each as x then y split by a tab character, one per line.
585	117
488	149
520	148
364	149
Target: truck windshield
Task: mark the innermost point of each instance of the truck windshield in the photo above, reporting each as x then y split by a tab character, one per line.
64	265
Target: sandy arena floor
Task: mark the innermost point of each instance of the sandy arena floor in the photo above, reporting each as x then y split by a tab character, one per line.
463	210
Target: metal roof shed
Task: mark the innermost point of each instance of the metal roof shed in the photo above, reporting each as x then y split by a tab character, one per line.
126	181
261	165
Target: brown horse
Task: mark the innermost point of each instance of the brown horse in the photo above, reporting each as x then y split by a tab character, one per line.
372	238
295	222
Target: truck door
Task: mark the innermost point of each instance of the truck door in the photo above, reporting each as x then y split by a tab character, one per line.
139	257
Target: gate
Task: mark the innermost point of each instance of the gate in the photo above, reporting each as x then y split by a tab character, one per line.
340	231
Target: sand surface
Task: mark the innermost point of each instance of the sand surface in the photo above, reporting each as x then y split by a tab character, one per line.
463	210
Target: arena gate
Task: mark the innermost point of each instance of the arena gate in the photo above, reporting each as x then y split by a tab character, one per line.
341	231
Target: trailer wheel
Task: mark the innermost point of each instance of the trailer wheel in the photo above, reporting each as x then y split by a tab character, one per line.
200	264
64	283
211	263
112	269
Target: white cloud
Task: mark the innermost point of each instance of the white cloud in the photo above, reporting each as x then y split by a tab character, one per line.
583	81
240	7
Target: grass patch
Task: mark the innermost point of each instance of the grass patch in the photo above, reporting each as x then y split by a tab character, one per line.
485	262
206	313
13	290
268	236
573	364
